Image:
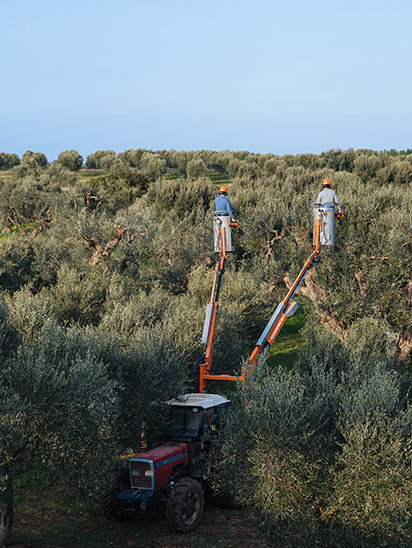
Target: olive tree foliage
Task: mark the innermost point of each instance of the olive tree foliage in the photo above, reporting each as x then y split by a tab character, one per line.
57	407
323	451
27	205
149	371
164	234
348	283
120	265
130	177
16	259
131	158
372	481
144	358
28	312
77	298
30	163
153	165
8	161
74	397
195	168
181	200
70	159
102	159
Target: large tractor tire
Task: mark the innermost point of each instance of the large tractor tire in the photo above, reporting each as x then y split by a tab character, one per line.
116	483
108	505
184	506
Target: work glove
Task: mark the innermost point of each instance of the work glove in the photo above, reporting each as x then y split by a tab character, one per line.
339	215
234	223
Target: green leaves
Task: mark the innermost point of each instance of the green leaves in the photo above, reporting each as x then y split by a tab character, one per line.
70	159
372	480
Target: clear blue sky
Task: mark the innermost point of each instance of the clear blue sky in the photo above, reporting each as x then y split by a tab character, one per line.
265	76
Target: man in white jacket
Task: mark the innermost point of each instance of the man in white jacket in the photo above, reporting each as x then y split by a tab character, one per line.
327	195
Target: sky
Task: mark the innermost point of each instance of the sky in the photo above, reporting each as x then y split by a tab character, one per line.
281	77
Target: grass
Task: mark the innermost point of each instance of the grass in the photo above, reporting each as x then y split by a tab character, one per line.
172	175
84	172
289	341
5	176
14	230
215	178
219	178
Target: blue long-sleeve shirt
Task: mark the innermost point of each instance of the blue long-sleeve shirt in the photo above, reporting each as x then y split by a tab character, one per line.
223	204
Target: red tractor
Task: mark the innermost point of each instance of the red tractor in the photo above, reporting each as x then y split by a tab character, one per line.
170	475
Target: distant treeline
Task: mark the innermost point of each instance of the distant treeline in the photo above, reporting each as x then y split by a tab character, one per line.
388	165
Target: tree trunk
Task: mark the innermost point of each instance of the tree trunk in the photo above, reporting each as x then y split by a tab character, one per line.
404	344
316	294
6	508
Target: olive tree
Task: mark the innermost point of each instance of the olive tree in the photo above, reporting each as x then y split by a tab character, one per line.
8	161
70	159
196	168
326	445
38	158
153	165
57	404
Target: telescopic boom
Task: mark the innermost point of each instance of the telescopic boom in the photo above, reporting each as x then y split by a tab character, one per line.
287	307
284	310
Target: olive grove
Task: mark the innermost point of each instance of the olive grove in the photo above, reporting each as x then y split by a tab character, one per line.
105	275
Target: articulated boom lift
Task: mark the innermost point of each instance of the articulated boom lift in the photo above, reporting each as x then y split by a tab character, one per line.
284	310
169	476
208	336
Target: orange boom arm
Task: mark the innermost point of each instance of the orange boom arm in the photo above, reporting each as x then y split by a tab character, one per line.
284	310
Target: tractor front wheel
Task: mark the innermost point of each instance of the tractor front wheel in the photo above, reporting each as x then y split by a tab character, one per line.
118	481
184	506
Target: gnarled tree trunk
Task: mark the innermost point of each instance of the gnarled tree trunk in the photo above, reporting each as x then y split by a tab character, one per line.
404	344
316	294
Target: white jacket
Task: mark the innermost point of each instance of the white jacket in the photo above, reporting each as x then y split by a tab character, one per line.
328	196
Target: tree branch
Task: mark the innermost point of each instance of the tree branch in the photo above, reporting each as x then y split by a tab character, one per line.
16	221
270	242
363	286
95	243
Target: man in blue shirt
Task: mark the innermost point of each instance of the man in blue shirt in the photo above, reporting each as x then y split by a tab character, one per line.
222	203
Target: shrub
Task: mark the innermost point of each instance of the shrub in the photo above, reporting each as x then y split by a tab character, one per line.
372	480
29	313
70	159
78	297
56	406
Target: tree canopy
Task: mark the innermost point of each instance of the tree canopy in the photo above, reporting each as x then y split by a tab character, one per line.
105	277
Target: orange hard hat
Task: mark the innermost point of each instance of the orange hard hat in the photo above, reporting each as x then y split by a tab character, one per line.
222	190
325	182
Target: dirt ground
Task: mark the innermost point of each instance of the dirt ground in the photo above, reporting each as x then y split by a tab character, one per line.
48	520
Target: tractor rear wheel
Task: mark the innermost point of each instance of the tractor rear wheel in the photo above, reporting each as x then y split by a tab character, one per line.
184	506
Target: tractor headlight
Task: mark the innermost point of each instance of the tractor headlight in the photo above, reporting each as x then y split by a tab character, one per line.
148	473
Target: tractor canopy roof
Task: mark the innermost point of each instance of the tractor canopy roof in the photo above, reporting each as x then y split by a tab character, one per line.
205	401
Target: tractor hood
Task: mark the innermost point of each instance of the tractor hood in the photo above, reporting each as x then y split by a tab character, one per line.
166	454
162	460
